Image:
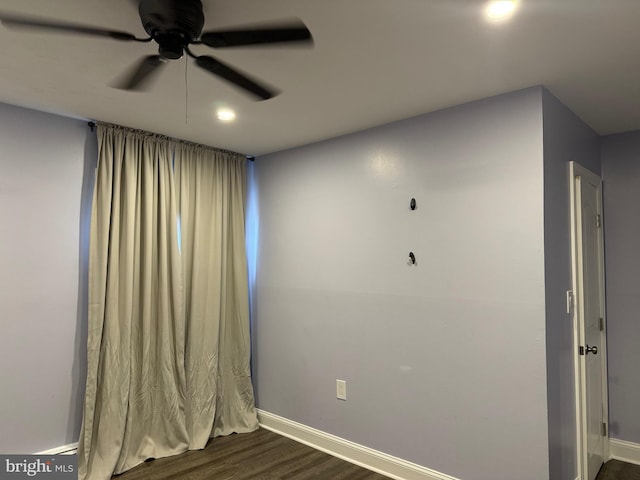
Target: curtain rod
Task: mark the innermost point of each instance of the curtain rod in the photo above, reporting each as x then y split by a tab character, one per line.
251	158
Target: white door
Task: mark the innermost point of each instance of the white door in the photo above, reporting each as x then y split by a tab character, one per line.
590	296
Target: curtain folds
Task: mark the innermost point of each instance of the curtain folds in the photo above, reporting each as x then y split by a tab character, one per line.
211	193
168	341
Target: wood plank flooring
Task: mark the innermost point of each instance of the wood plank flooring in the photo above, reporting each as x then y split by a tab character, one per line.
261	455
617	470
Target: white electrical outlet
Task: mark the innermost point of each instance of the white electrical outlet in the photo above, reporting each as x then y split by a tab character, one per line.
341	389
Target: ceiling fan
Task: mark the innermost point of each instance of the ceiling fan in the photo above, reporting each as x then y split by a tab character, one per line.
175	25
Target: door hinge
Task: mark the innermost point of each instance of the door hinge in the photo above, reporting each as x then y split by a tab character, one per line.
604	429
581	350
570	302
598	221
601	324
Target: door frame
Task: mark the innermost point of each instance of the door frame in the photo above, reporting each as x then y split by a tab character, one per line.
576	171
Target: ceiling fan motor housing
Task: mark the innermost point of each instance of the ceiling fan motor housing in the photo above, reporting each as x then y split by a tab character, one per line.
173	24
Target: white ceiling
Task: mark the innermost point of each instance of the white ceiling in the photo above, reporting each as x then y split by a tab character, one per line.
374	61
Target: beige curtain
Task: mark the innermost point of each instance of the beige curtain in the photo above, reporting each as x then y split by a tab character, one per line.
211	192
168	338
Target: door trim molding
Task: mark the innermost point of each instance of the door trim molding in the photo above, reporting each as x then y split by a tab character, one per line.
624	451
576	170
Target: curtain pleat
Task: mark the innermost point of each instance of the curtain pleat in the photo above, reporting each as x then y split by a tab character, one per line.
168	337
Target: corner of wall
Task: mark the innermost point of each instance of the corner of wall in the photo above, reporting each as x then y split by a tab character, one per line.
566	138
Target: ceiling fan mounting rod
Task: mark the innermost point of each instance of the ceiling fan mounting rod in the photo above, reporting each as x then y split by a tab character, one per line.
172	24
184	17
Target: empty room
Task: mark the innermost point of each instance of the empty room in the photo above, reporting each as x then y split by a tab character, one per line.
320	239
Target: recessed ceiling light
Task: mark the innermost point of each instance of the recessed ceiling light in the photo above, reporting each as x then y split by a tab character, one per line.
499	10
226	115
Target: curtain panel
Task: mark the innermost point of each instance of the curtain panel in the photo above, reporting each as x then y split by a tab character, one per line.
211	205
168	338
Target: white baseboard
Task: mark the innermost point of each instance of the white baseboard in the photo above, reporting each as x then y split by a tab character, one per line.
625	451
63	450
362	456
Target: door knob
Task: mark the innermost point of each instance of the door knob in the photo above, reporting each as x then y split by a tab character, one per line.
589	349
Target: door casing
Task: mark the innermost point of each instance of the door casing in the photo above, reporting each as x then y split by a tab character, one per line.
577	171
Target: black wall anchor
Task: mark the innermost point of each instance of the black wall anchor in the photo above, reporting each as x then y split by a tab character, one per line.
412	258
412	204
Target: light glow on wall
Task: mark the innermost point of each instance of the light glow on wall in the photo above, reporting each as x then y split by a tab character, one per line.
252	229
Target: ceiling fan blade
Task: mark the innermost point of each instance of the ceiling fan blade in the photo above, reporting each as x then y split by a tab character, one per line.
233	76
285	33
142	73
31	23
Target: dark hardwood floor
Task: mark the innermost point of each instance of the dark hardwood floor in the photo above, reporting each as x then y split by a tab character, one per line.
617	470
261	455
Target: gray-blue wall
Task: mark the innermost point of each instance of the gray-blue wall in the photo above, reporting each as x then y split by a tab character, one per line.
566	138
46	177
441	359
445	362
621	196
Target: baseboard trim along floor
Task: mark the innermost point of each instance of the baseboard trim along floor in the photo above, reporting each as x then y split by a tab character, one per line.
360	455
63	450
625	451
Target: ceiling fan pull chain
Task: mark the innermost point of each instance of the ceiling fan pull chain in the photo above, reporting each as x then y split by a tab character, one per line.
186	91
